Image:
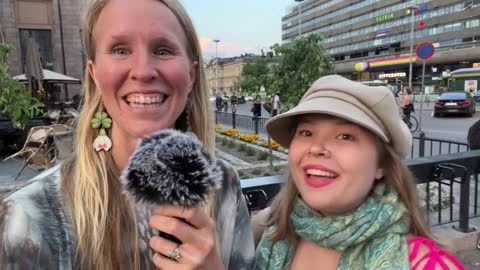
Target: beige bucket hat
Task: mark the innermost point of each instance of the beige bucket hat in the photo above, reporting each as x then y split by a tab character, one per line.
372	107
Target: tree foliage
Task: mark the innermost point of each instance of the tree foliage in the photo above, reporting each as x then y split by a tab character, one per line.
15	100
303	62
255	74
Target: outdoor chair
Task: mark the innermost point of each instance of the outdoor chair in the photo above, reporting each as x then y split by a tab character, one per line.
39	151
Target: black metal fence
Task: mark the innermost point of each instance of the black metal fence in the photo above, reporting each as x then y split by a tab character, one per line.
454	176
240	121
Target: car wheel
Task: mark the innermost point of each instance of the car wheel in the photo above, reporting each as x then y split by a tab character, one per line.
435	114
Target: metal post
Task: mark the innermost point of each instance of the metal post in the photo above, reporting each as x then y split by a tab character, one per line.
422	90
233	119
299	17
256	124
216	65
421	145
412	11
464	204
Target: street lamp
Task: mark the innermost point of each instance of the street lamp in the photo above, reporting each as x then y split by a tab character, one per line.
299	17
412	11
216	65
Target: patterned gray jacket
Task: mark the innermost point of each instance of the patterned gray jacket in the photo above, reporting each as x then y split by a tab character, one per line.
36	230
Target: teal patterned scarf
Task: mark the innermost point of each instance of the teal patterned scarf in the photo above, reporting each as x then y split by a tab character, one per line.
373	236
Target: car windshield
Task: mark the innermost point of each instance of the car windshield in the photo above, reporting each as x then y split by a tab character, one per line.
456	95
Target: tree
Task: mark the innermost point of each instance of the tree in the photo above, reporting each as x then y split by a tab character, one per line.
303	61
255	75
15	100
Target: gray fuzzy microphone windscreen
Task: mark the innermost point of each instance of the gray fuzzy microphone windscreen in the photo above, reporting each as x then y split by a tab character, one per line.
171	167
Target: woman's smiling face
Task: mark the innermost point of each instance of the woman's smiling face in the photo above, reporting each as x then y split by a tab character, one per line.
333	162
141	66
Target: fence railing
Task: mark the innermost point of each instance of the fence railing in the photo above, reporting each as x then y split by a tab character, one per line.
454	176
421	146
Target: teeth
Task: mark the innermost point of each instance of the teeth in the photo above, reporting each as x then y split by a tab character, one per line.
140	99
321	173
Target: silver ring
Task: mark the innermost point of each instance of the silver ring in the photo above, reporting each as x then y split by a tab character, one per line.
174	254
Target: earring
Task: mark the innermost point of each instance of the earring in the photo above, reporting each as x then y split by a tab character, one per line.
102	141
187	114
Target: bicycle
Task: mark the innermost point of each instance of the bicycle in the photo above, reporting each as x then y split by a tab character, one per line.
412	123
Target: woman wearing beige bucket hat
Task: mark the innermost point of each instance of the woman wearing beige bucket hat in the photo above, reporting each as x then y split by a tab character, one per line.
349	201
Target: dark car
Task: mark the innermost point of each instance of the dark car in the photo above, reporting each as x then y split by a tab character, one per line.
241	100
454	103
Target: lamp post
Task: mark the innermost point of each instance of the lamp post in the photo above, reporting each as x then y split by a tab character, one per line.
299	17
216	65
412	11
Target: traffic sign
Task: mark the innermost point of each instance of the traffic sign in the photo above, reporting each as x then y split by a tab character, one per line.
425	50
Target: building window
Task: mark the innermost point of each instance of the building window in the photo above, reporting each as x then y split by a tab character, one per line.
43	38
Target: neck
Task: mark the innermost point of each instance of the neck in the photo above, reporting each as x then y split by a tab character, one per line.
123	147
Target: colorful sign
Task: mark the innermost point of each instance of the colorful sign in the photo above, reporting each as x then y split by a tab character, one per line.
425	50
386	17
390	63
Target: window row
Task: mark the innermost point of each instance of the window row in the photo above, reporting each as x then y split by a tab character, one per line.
354	20
454	26
383	28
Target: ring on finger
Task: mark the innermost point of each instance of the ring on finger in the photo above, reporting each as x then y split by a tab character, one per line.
175	254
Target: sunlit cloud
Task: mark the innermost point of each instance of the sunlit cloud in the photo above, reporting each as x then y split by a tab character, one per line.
225	48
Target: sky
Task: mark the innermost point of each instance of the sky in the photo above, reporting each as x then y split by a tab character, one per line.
242	26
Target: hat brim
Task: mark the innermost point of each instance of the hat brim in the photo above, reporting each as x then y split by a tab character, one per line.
281	126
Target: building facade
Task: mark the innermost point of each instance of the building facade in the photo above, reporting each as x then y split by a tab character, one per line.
225	76
55	26
372	39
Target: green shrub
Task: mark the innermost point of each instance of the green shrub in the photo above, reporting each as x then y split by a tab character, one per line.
224	141
250	151
242	147
256	171
262	155
231	144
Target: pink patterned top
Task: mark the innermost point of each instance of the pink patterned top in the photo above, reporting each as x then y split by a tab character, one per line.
433	258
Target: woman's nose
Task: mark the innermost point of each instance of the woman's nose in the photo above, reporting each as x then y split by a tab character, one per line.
319	149
143	67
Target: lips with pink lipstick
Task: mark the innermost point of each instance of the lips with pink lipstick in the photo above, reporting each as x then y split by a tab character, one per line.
317	176
145	100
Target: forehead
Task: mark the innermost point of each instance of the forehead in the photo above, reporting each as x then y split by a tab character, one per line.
149	18
317	117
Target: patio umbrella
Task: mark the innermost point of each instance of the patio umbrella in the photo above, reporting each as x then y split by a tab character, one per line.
33	65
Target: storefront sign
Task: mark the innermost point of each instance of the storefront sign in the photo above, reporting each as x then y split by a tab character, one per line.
392	75
385	17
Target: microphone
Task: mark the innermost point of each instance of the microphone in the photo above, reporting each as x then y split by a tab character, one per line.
171	167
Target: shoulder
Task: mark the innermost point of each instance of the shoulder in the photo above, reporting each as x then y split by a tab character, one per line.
31	219
424	254
259	223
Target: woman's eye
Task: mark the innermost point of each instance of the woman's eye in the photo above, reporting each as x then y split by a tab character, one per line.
304	133
345	137
163	52
120	51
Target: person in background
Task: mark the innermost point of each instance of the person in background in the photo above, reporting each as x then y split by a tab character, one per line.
276	104
219	102
349	201
257	106
234	102
407	105
144	73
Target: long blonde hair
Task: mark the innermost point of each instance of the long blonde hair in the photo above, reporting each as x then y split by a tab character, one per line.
103	218
396	175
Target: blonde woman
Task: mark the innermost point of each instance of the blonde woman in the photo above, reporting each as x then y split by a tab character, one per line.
145	71
349	202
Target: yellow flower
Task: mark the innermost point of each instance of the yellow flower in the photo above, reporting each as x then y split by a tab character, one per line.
230	132
218	128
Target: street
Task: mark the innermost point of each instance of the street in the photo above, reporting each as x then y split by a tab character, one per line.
454	127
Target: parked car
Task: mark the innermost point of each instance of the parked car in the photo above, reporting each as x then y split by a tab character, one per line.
241	100
477	97
454	103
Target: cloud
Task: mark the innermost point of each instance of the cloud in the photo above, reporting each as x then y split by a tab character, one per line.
225	48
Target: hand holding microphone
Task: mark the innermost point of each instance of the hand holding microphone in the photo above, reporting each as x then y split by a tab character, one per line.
172	170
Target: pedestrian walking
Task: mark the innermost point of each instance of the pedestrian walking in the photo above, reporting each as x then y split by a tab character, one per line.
257	106
234	102
276	104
